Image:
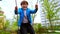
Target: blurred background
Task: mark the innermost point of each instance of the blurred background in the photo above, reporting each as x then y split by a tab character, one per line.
45	21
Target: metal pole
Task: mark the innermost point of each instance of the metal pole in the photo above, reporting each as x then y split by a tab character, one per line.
37	2
17	10
17	15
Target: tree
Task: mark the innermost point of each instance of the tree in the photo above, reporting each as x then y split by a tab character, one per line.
51	9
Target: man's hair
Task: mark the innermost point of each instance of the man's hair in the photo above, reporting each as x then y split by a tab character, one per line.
24	2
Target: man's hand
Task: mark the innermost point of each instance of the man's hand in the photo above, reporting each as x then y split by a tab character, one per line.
36	6
16	8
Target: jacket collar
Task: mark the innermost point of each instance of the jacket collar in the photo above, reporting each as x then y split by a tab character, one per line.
23	9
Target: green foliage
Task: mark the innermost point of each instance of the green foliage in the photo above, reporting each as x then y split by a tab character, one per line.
33	16
1	14
14	26
7	24
39	29
51	8
0	20
4	32
0	8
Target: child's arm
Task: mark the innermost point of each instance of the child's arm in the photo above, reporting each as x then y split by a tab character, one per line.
34	11
17	11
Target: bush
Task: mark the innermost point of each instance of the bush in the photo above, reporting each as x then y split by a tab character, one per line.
39	29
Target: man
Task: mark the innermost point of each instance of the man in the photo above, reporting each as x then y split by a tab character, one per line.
24	22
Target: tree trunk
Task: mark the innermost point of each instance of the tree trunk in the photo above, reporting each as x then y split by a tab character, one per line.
51	26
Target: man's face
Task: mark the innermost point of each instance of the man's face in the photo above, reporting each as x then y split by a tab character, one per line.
24	6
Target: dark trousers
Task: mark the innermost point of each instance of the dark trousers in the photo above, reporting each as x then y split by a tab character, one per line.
26	28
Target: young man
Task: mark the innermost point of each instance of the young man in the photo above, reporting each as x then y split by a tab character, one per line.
24	22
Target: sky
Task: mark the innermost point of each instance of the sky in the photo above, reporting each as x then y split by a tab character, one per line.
9	5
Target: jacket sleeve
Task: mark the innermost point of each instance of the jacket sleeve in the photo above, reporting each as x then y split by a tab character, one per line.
33	11
17	11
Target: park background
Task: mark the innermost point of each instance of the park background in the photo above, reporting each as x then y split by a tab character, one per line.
45	21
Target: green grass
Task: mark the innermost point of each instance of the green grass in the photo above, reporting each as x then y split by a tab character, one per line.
4	32
54	33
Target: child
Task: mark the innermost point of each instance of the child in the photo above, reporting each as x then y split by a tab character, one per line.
24	22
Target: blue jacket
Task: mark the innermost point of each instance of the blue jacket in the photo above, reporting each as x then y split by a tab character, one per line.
21	14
